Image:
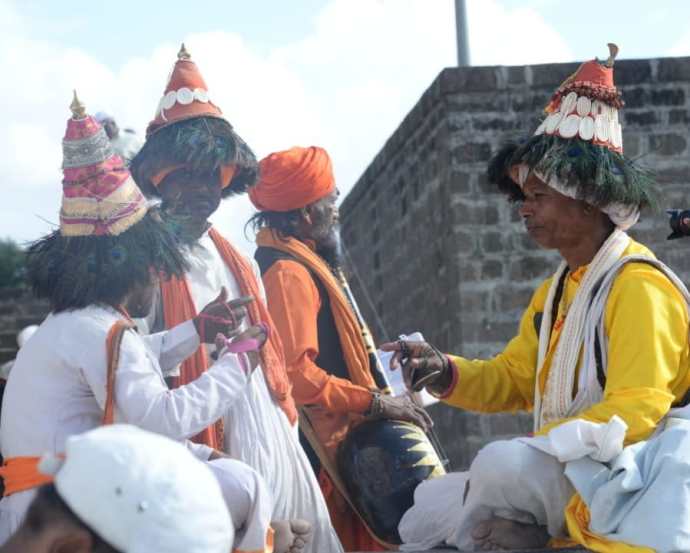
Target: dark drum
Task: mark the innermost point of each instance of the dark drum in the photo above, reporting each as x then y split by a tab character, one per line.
381	463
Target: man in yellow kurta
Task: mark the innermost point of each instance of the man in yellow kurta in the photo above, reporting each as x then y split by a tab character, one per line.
577	355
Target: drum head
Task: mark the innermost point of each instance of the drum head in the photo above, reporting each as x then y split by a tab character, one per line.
381	463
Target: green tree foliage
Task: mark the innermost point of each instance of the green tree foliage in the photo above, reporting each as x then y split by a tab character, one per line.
12	268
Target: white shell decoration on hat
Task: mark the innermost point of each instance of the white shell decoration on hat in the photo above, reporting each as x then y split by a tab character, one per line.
579	116
183	96
552	122
586	130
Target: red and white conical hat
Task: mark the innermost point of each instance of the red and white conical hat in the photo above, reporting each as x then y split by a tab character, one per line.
586	106
186	95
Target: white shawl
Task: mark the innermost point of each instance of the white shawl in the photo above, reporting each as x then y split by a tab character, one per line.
557	401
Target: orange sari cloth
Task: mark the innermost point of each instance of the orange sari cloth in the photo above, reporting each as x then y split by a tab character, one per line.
178	307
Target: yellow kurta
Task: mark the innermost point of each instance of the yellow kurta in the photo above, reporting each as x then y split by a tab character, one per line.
648	369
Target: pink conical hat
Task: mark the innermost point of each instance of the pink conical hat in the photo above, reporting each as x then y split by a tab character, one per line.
99	195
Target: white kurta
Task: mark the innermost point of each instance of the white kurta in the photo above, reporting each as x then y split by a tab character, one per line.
58	389
257	431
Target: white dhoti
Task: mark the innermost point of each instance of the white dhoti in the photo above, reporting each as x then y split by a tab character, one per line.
248	500
508	479
257	431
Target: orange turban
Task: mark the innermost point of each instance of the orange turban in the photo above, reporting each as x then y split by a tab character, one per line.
293	179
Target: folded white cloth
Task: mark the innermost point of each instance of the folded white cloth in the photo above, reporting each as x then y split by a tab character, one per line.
579	438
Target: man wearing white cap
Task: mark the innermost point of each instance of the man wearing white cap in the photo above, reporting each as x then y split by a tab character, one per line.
120	488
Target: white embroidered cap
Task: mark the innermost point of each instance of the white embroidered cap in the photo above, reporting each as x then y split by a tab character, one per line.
142	492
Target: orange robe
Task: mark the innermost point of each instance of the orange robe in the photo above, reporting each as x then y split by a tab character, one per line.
294	302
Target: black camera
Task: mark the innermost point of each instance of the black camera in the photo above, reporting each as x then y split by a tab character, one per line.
680	223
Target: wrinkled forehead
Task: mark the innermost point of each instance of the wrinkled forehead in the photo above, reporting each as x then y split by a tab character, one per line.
526	179
534	184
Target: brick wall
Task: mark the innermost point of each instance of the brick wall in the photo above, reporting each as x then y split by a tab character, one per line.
18	309
438	250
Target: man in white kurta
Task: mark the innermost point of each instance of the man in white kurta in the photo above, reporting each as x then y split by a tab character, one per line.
192	159
59	389
256	430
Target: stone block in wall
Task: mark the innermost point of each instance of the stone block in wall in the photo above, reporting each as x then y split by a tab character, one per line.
552	74
667	144
496	123
667	97
632	144
469	79
639	118
530	267
632	72
475	212
637	97
530	102
471	152
517	75
494	241
492	269
460	182
670	175
512	299
674	69
679	117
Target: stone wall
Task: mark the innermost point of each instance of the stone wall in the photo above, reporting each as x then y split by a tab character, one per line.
435	248
18	309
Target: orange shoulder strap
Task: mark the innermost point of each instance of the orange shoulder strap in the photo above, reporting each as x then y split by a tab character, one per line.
112	345
21	473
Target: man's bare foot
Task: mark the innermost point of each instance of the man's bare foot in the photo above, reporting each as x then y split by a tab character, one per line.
501	533
290	535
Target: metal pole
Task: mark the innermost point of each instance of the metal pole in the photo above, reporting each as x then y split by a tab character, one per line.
461	33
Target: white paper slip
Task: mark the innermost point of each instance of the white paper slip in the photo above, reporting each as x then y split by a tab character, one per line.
395	378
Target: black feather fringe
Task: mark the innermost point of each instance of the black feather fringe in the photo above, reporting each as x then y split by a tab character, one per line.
77	271
202	144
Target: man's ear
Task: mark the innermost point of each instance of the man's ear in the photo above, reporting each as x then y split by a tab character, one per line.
73	540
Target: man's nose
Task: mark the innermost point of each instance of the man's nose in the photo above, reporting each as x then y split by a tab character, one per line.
526	209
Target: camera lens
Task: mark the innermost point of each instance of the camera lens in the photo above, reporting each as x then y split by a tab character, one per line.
679	222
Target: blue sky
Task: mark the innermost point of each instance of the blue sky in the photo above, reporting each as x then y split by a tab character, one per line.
338	73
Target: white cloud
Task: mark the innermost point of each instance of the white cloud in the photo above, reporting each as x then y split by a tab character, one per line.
346	86
517	36
681	47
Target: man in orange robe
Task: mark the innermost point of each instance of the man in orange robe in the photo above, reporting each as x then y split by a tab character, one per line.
331	371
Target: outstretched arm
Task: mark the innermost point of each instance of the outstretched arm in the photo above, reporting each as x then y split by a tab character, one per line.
143	399
503	383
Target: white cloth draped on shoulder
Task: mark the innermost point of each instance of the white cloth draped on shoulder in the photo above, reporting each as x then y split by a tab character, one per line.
256	429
